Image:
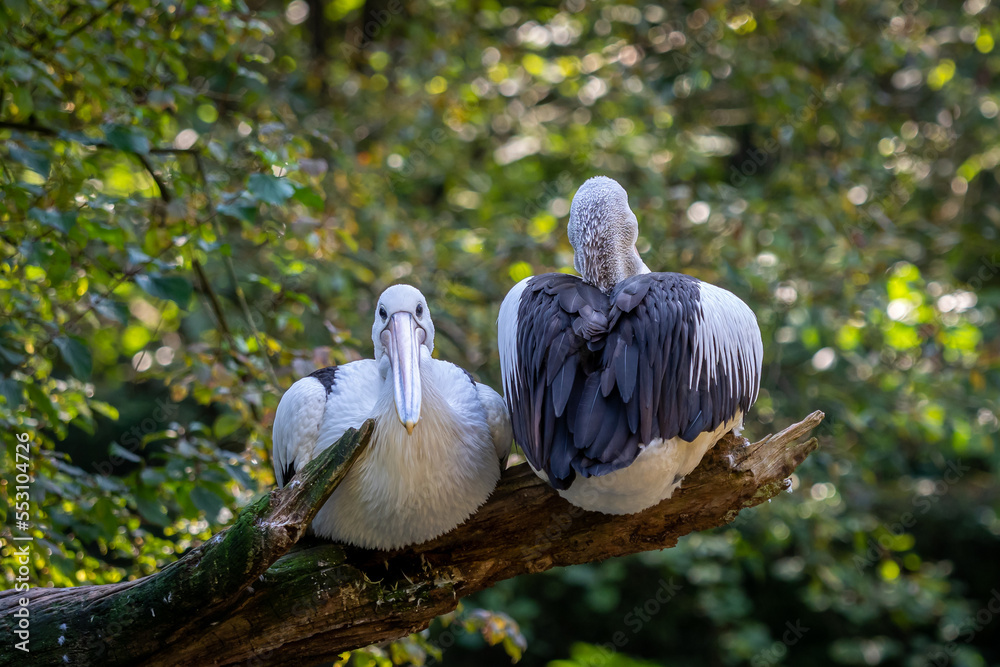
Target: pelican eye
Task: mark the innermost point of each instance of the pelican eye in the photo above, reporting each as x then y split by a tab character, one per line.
420	310
381	312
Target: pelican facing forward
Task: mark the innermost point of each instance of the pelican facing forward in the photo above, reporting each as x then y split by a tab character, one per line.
619	382
439	444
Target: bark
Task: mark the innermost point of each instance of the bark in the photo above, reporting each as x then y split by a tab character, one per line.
222	604
123	623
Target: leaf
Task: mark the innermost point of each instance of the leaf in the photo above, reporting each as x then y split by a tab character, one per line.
153	476
109	411
53	257
226	425
103	513
310	198
118	450
207	501
20	72
64	221
127	139
23	100
239	209
151	508
161	99
76	355
11	391
17	7
239	475
36	162
137	256
109	308
170	288
41	401
13	358
108	483
269	189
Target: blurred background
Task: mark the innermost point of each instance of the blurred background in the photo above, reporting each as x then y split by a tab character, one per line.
200	202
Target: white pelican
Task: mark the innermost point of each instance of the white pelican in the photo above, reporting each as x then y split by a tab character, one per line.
439	444
619	382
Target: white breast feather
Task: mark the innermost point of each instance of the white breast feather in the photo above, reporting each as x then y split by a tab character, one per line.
653	477
406	489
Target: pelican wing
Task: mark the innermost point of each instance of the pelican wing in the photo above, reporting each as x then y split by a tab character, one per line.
316	410
498	420
494	408
590	377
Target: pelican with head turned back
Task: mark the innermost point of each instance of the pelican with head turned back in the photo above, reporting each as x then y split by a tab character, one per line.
619	382
439	444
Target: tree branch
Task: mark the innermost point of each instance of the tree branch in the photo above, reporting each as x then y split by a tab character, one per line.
71	625
45	131
32	128
213	301
100	13
322	599
42	130
160	185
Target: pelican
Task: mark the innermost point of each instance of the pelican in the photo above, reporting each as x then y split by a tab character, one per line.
440	441
619	382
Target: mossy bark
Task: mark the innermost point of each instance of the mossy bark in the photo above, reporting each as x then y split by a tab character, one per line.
222	604
126	622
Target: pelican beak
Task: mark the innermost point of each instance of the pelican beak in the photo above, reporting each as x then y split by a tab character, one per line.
404	357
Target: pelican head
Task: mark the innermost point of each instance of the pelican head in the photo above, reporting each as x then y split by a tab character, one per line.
402	326
603	230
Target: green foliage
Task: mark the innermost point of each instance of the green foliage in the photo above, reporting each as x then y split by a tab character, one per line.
199	204
463	627
583	655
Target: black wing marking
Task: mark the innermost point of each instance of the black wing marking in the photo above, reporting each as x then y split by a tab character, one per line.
327	376
469	375
598	375
287	474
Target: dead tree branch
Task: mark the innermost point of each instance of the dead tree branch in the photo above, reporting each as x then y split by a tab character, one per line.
222	604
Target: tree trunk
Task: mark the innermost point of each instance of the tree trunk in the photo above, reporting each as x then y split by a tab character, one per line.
222	604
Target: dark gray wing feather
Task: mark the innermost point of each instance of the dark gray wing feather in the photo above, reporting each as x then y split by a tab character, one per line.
598	375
